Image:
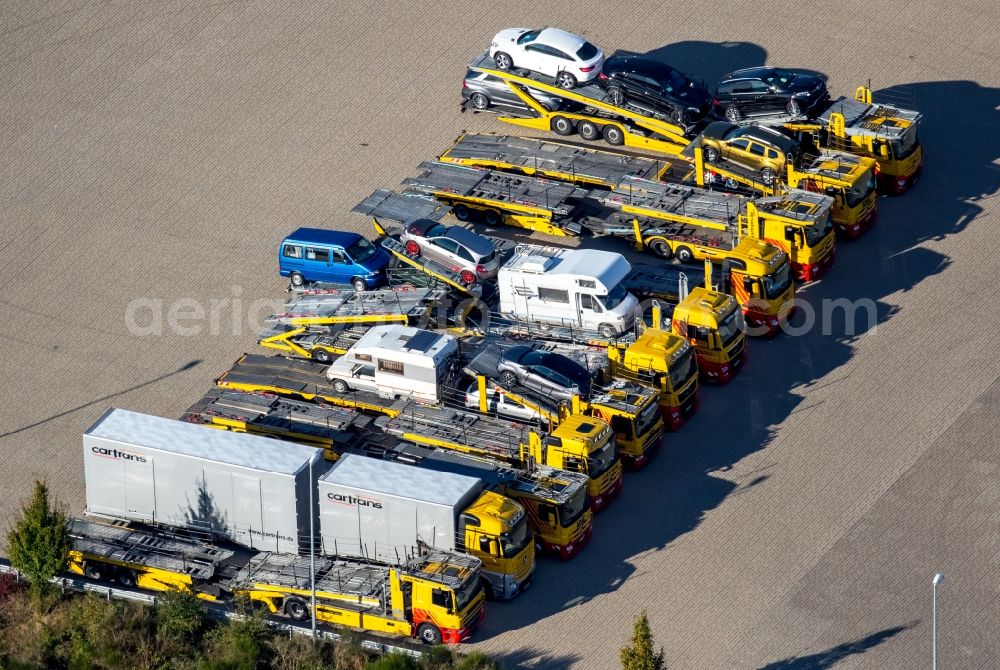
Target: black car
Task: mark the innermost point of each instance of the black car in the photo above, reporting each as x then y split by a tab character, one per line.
649	82
768	90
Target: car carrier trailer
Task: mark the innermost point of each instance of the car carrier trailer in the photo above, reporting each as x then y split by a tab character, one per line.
594	117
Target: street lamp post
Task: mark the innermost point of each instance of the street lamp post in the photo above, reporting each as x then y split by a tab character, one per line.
312	550
938	578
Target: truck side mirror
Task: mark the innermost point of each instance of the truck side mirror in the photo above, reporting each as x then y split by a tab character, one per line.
831	191
550	518
484	544
747	284
790	233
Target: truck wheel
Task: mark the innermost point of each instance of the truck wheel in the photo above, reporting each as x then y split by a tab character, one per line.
413	248
359	284
296	279
562	126
711	154
493	218
508	378
613	135
684	255
588	130
126	577
296	608
661	249
733	114
94	571
461	212
340	386
321	355
607	330
767	176
429	633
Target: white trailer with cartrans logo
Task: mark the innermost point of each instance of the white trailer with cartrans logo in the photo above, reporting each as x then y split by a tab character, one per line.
251	490
568	288
395	361
388	512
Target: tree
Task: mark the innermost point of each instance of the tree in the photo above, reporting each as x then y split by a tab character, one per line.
639	655
39	542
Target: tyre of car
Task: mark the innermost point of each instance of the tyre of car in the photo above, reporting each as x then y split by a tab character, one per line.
508	378
359	284
616	96
767	176
565	80
607	330
733	114
793	108
296	279
479	100
711	154
340	386
412	248
503	60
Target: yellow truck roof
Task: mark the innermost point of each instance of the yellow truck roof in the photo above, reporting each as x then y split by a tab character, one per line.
655	346
496	513
762	258
709	307
593	431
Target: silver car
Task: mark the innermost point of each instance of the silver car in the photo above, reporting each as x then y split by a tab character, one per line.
497	402
483	91
471	256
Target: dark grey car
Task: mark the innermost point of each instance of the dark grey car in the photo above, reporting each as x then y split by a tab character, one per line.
545	372
483	91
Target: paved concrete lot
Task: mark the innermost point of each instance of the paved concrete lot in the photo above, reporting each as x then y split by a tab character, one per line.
156	151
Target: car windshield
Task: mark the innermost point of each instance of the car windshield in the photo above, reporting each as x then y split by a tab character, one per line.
587	51
730	327
615	297
528	37
599	461
778	77
817	232
905	145
573	508
682	370
361	250
466	593
516	540
776	284
864	188
488	258
437	230
647	418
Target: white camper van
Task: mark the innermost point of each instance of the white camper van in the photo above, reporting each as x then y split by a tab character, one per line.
395	361
578	288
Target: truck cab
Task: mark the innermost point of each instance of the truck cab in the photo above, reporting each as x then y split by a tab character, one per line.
585	445
496	531
847	178
713	323
557	502
666	362
759	276
799	223
444	599
332	256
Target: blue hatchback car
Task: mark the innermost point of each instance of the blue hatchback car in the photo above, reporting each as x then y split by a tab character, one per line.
333	256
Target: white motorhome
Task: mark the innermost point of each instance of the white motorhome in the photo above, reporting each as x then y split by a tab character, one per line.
578	288
393	361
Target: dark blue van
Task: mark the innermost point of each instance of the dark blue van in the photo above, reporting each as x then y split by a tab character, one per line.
334	256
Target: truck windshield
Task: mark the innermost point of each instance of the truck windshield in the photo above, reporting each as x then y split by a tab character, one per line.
573	509
466	593
730	327
646	419
861	190
905	145
682	370
516	540
361	250
817	232
615	297
599	461
776	284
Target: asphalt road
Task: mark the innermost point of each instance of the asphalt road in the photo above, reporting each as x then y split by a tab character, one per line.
157	151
